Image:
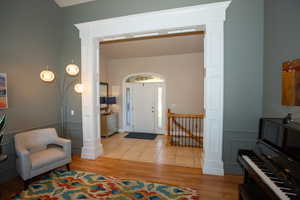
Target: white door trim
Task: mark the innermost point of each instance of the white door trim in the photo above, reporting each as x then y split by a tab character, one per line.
126	85
209	17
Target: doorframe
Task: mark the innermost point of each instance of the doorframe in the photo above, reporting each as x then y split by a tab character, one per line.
125	85
210	17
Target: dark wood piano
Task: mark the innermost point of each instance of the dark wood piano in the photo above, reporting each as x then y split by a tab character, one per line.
272	168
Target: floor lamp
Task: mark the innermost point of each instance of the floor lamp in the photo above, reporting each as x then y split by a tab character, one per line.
71	71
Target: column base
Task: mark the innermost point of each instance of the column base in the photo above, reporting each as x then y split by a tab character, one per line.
213	167
91	150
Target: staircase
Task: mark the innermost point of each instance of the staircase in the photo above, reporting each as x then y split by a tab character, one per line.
185	129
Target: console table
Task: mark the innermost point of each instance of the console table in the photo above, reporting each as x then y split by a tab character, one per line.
109	124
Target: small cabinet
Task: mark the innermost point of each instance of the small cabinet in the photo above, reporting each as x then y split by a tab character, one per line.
109	124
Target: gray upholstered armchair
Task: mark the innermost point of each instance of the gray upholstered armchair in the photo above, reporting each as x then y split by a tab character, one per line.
39	151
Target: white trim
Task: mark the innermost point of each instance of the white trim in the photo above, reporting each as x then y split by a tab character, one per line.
209	17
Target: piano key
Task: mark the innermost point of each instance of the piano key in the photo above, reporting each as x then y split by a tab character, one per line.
285	188
273	186
293	198
290	194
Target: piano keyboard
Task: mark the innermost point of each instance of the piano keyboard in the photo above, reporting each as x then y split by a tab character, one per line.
278	185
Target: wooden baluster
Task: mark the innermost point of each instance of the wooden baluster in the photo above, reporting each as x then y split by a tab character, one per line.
201	130
192	140
196	128
198	121
168	128
178	132
184	132
188	128
175	133
172	130
190	124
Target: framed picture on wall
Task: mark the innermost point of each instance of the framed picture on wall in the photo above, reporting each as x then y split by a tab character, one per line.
3	91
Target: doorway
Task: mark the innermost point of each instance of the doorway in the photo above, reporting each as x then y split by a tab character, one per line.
144	103
209	17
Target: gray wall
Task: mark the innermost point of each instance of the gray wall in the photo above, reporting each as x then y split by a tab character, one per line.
243	60
30	40
282	43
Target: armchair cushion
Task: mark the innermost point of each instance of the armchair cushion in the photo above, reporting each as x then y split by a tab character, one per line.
36	140
47	156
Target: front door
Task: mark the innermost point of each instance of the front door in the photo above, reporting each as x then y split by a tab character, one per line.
143	99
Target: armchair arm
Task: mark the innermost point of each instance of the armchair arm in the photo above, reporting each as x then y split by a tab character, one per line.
66	144
23	161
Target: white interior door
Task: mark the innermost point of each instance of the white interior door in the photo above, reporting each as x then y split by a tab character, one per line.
143	99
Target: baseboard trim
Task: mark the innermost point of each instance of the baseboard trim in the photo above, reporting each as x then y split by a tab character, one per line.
212	167
76	150
232	168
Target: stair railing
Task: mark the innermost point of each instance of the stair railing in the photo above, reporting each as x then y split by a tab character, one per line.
185	129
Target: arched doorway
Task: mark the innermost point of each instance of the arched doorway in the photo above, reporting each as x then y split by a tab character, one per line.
144	103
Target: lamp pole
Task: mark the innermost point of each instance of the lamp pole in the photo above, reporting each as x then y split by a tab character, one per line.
63	96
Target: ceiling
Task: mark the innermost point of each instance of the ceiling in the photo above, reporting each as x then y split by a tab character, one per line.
153	47
65	3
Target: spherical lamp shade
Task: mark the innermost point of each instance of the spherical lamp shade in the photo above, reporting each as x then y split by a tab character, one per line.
72	69
79	88
47	76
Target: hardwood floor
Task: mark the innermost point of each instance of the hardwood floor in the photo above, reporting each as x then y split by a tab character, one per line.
209	187
153	151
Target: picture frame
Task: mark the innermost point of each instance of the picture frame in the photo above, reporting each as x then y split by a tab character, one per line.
3	91
103	94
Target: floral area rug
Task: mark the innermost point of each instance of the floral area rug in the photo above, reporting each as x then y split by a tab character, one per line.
63	184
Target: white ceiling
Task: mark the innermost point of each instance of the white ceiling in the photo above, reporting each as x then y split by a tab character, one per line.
65	3
153	47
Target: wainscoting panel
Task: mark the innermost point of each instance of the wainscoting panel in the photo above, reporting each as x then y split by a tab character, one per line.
8	168
74	131
232	142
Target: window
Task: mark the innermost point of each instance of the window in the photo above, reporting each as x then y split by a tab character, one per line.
159	107
144	78
128	108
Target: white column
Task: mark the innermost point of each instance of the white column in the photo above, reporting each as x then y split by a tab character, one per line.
214	89
90	103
